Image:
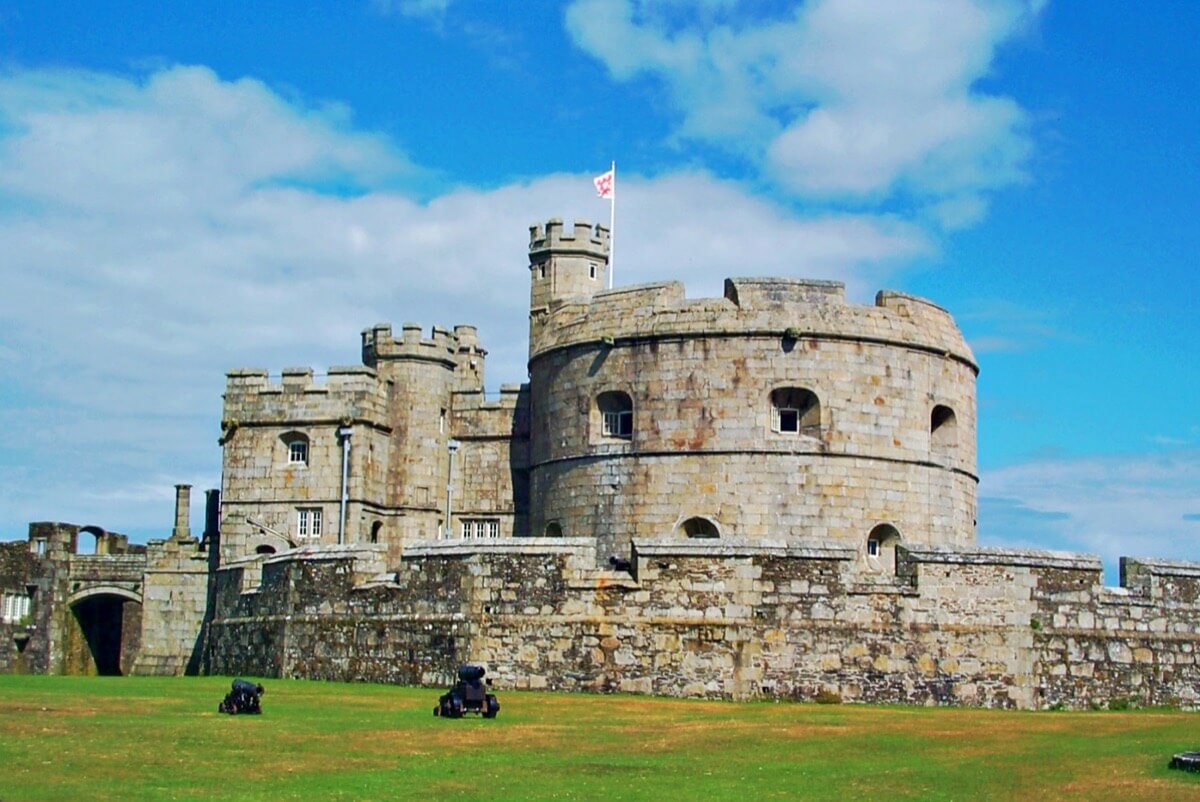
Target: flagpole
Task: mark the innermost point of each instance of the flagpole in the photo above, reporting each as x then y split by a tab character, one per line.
612	227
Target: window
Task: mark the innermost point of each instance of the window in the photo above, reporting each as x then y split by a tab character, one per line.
480	528
39	545
618	424
881	548
308	522
553	529
795	410
591	270
699	527
943	434
15	607
297	448
376	528
442	422
616	415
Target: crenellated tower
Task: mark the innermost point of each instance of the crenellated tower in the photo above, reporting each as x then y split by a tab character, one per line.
564	263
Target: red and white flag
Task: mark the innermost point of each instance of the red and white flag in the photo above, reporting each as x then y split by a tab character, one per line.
606	184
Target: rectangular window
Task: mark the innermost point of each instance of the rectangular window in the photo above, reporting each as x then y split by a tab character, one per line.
618	424
591	270
787	420
479	528
39	546
298	452
308	522
442	422
15	608
872	548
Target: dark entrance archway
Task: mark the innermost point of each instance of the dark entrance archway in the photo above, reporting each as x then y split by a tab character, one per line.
109	634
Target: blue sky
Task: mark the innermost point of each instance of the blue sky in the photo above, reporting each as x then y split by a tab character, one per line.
190	188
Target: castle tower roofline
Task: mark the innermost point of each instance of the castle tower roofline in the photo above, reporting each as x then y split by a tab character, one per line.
379	344
751	306
583	238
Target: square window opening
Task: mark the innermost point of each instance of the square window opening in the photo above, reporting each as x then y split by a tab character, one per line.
618	424
298	452
787	420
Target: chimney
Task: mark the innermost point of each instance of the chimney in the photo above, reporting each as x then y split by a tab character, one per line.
183	512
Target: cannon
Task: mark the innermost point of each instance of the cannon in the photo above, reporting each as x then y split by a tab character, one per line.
469	695
244	697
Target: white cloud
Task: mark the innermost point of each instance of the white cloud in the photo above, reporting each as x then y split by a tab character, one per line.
161	231
1137	506
850	99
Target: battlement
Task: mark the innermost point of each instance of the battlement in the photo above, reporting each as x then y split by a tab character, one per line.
782	293
508	398
582	237
478	415
442	345
337	380
792	308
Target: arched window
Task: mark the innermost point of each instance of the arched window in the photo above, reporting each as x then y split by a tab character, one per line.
616	415
296	444
943	431
265	550
795	411
699	527
553	529
376	528
881	548
92	544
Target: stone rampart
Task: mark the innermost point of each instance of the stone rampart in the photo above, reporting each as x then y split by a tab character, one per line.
734	619
803	309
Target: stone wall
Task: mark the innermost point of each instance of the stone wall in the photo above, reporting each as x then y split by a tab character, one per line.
175	603
18	566
734	619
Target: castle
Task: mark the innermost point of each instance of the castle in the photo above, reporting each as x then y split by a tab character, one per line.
772	493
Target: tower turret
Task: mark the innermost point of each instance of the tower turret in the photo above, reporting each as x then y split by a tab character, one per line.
564	263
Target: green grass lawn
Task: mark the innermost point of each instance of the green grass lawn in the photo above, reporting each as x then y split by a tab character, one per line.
98	738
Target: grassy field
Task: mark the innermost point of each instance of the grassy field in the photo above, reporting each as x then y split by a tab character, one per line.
91	738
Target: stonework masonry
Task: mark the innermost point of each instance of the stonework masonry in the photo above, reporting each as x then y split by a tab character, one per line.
767	494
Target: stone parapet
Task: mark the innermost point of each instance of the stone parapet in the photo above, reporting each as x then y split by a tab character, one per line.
785	308
1025	558
741	547
379	344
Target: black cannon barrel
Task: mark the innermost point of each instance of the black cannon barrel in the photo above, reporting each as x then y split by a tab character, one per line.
470	673
245	686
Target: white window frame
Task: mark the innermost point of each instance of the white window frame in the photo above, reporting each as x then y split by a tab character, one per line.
298	451
308	522
779	413
479	528
873	547
16	607
618	424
